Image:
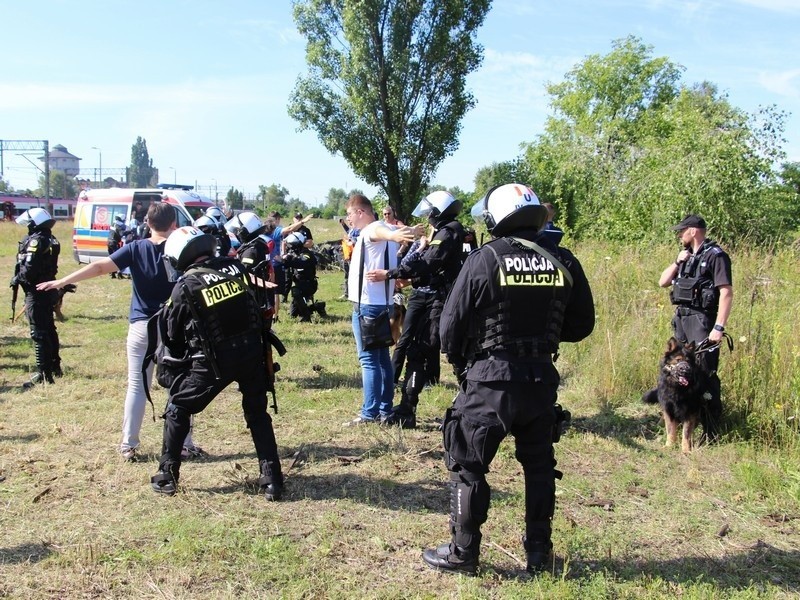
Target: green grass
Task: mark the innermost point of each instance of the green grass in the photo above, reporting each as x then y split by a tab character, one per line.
633	520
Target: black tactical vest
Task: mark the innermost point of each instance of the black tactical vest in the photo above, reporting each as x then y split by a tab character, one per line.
535	292
37	258
226	309
694	286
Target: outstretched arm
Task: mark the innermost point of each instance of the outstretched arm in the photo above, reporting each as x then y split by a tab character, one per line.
93	269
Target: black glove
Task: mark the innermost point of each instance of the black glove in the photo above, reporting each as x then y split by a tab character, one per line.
14	281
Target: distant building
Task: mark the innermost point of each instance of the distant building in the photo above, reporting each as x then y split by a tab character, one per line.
62	160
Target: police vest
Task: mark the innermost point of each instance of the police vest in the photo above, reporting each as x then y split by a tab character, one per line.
224	309
535	289
37	258
694	286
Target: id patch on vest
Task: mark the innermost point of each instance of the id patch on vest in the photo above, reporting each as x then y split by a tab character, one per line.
221	292
531	270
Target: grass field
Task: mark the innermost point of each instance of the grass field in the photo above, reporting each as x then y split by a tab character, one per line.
633	519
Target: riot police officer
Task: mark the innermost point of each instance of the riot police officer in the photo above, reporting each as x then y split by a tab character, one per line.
254	254
37	261
210	225
515	299
301	275
432	275
212	335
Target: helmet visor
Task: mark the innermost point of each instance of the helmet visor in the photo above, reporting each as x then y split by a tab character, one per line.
423	209
478	210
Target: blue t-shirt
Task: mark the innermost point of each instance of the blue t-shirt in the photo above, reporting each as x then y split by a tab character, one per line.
276	240
151	284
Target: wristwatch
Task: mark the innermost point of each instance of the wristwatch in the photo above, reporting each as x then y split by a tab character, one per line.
718	327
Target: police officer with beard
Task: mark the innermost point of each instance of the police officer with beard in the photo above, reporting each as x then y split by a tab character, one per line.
515	299
702	292
212	335
37	261
432	274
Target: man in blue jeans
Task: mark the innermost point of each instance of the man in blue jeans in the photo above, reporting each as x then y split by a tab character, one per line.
377	374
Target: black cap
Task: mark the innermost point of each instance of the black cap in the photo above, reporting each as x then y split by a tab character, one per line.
298	215
691	221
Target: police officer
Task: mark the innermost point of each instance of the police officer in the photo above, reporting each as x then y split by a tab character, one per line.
211	330
37	261
432	274
702	291
114	242
254	254
301	270
516	298
212	226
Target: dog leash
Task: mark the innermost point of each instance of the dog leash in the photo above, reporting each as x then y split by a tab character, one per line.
708	346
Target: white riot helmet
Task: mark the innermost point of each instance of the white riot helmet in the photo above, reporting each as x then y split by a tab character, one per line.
245	226
35	218
508	207
216	213
186	244
438	206
295	240
206	224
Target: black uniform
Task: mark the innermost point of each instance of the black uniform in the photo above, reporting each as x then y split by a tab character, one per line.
695	292
302	267
502	323
254	255
213	327
433	274
37	261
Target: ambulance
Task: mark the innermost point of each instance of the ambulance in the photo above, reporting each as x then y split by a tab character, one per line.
96	210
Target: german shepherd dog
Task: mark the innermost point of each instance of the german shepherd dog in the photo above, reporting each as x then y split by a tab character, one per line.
681	385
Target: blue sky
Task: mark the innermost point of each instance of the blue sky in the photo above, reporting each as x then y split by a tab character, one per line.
206	83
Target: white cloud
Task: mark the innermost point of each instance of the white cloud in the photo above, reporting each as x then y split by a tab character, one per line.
784	83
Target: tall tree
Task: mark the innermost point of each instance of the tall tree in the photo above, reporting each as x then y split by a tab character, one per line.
629	150
141	173
234	199
386	86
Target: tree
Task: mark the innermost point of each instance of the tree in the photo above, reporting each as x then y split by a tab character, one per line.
61	186
234	199
386	86
629	151
141	173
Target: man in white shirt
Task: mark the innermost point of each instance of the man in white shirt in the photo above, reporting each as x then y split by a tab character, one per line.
370	252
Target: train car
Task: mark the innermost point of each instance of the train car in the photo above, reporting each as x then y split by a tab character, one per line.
12	205
96	210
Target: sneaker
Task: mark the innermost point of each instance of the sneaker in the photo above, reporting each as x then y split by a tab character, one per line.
190	452
359	420
129	454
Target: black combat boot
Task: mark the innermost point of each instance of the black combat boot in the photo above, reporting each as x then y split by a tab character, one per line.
539	553
37	378
165	481
271	481
452	558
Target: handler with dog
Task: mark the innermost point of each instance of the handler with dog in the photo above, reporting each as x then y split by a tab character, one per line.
515	299
702	291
